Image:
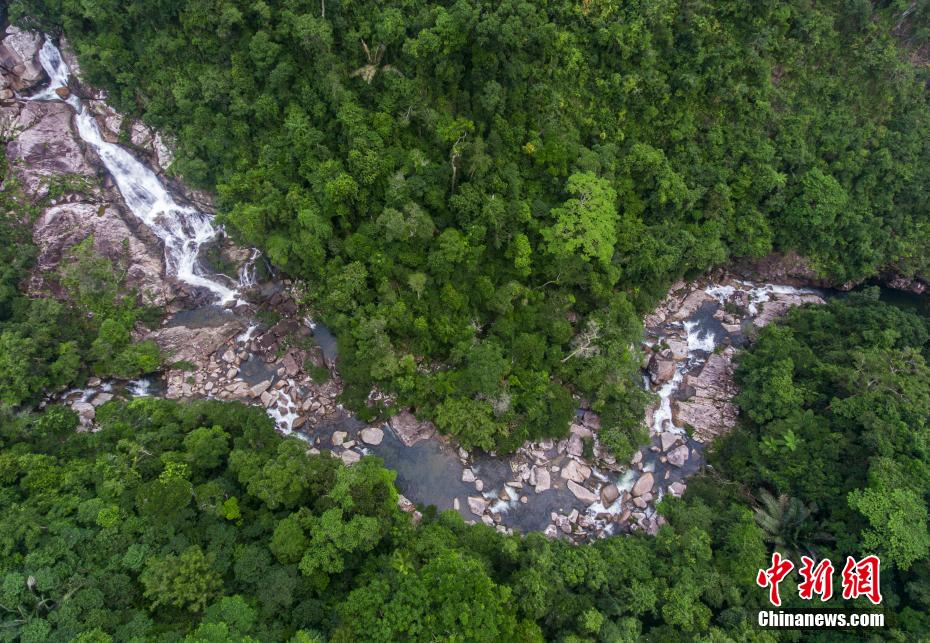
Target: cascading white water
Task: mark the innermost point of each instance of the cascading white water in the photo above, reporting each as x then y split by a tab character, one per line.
248	273
183	229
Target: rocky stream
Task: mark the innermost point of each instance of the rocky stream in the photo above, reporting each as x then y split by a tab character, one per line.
241	336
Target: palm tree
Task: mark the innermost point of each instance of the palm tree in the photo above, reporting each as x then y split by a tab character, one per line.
782	521
369	71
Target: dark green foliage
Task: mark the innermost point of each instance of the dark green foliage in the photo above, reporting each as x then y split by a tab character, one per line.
469	177
836	401
198	519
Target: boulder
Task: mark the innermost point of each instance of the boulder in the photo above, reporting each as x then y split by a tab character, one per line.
677	488
575	471
678	348
259	388
583	494
349	457
643	485
339	437
165	157
678	456
468	476
477	505
574	445
86	412
668	440
372	436
592	420
410	430
101	398
543	480
609	494
661	368
140	134
290	364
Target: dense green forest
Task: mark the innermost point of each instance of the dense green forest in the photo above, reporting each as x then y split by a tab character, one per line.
484	197
197	520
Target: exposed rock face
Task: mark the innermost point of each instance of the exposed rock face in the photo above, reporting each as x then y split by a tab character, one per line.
46	150
918	285
47	147
18	59
710	411
772	310
61	227
194	344
781	268
691	303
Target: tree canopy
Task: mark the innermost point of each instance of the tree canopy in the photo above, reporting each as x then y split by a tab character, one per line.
467	176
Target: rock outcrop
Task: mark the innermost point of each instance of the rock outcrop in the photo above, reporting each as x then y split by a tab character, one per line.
21	70
710	411
46	153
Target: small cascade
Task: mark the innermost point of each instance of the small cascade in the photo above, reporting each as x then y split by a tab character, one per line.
248	273
139	388
284	410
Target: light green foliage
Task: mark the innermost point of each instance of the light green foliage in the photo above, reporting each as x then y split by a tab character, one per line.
187	581
898	519
585	225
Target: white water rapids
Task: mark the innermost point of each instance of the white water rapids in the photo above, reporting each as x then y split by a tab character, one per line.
183	229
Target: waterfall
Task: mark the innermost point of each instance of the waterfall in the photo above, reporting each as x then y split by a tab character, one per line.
183	229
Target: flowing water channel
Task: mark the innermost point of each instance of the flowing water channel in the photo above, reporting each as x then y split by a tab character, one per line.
183	229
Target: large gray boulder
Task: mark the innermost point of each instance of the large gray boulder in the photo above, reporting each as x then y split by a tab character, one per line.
410	430
661	368
18	52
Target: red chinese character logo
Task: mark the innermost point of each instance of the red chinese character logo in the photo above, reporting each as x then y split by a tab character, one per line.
861	579
772	576
817	580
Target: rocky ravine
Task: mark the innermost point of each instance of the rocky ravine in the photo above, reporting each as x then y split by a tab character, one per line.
258	348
